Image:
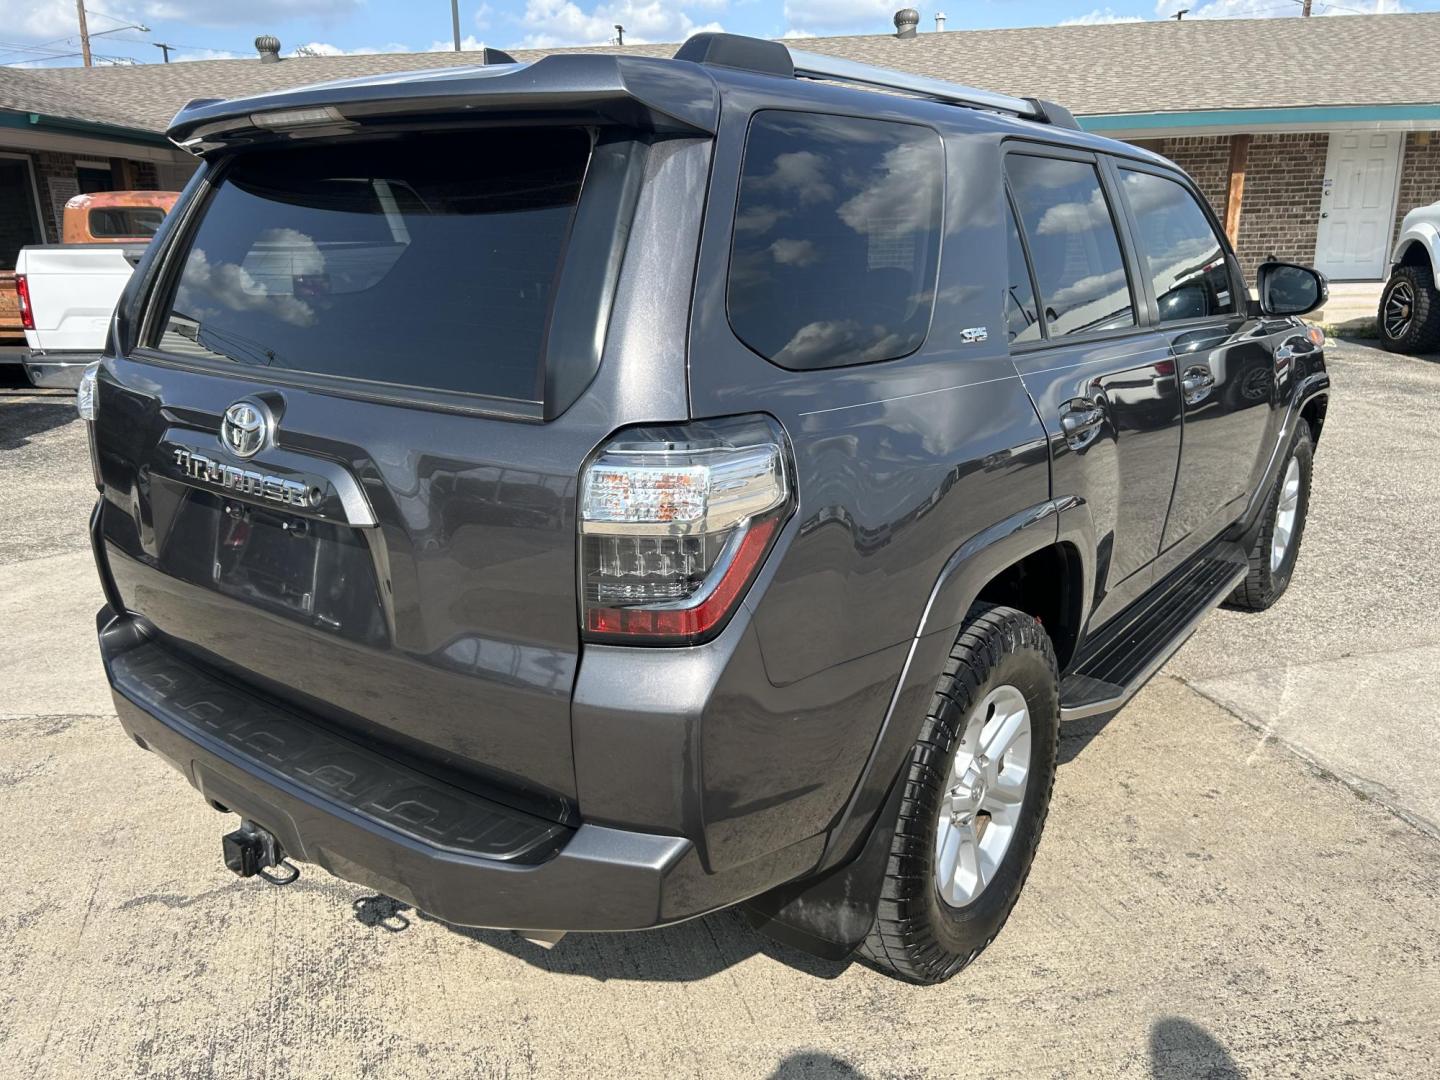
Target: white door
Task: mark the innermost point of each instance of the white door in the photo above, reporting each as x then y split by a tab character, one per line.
1357	204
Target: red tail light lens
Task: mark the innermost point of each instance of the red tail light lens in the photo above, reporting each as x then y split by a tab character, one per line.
675	522
27	313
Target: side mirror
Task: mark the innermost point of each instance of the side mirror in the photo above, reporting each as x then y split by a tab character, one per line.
1288	289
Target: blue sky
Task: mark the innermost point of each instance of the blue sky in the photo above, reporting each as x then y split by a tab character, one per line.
44	31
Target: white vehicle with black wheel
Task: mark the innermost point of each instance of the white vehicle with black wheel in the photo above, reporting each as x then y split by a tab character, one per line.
1409	317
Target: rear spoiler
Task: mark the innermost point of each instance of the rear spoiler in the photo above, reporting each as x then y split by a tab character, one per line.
651	95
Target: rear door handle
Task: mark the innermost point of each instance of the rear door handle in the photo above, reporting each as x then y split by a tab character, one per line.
1196	384
1081	420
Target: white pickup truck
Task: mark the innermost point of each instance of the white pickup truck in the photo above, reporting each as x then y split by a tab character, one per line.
67	292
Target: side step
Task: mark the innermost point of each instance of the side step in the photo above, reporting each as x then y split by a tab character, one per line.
1141	638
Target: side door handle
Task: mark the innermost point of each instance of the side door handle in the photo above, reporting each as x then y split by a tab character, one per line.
1081	420
1197	383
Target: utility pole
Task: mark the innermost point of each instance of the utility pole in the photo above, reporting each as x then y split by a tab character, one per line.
84	32
163	48
1305	9
619	34
455	21
1179	15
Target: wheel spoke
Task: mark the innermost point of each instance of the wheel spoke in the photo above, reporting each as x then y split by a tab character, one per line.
1007	789
1005	732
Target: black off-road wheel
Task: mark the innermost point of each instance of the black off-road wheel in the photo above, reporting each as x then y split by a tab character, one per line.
1409	315
977	788
1273	555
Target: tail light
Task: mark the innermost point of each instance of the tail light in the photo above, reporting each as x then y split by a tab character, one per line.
27	313
674	524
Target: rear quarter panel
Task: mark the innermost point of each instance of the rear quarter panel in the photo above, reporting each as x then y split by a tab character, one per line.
898	464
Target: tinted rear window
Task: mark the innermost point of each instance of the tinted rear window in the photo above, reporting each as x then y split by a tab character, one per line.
125	222
837	239
428	262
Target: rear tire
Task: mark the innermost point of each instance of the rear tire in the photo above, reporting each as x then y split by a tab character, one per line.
1273	555
1409	316
919	935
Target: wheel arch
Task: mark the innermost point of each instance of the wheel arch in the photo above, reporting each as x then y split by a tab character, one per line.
1419	245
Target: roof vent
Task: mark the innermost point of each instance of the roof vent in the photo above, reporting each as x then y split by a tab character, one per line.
268	46
907	21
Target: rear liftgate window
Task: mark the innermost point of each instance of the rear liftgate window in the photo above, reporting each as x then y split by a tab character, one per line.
425	262
837	239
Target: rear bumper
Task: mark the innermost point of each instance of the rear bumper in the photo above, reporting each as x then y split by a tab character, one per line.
451	853
58	370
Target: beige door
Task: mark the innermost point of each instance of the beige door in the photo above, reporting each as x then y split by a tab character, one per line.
1357	204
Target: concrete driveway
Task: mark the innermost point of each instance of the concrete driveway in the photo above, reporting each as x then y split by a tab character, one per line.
1241	873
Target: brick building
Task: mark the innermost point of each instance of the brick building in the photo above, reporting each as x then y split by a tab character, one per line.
1310	137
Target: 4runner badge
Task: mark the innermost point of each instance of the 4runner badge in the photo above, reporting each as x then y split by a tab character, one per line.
247	481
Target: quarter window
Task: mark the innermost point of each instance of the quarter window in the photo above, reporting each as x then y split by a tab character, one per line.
836	239
1183	256
1068	224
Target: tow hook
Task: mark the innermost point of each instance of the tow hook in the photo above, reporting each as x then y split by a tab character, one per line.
251	850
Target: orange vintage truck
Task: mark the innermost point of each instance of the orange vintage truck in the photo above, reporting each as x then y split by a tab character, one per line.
60	296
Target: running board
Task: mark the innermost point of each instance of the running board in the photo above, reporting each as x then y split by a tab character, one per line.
1140	639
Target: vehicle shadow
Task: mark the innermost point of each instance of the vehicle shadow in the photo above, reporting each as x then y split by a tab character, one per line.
806	1065
682	953
22	421
1075	735
1182	1050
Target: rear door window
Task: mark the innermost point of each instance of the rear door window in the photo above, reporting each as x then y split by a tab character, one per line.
1073	243
1183	256
429	262
836	239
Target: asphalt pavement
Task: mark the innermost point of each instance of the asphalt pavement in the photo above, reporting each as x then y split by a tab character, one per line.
1240	874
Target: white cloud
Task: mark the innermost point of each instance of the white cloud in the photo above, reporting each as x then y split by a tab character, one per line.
842	16
1098	17
796	32
551	23
253	13
1269	9
324	48
181	55
469	43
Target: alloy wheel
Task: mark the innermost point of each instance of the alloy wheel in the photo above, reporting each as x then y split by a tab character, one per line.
1285	513
1399	311
984	796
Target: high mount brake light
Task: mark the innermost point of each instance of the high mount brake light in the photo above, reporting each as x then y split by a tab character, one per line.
675	522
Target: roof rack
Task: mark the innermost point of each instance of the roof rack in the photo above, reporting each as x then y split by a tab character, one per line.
810	65
773	58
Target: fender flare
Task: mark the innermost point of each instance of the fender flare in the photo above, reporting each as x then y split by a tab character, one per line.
830	910
968	570
1427	236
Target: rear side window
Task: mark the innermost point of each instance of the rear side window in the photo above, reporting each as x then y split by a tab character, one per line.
125	222
1076	252
837	239
427	263
1183	256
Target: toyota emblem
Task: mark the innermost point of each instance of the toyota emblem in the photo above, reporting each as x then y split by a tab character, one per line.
246	428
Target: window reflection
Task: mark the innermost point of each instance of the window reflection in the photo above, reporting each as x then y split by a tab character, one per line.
1183	256
836	239
1076	252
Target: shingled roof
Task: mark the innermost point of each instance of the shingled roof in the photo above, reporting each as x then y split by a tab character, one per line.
1126	68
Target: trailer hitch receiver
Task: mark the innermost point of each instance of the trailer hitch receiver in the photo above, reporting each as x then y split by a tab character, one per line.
252	850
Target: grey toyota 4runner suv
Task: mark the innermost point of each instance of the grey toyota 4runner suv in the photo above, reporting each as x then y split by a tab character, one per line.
587	494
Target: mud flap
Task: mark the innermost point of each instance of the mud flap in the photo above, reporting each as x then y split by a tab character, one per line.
830	914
